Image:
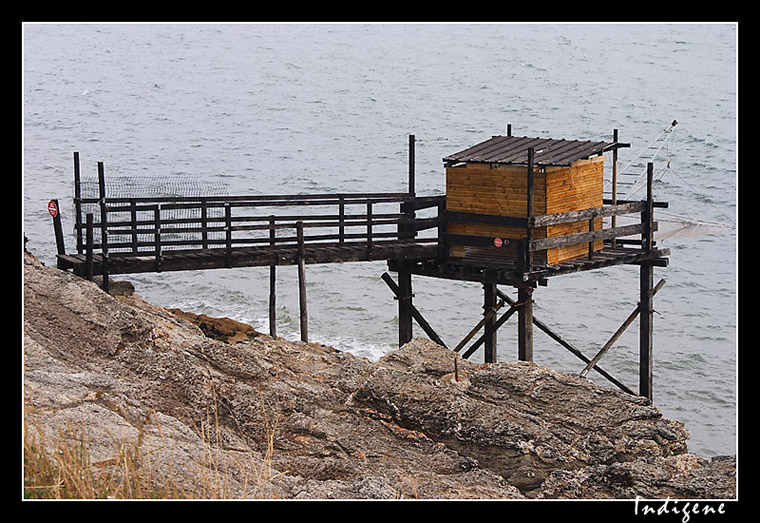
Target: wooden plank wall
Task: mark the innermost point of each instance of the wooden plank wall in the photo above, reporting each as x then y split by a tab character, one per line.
499	190
573	188
502	190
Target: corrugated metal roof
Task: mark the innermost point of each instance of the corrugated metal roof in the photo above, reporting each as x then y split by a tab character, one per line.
514	150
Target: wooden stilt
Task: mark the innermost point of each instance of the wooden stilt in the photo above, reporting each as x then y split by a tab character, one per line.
78	203
88	247
103	224
646	294
272	285
525	324
488	317
302	284
404	308
645	330
489	304
480	341
614	181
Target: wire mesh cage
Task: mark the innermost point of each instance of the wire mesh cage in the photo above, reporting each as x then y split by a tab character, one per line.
119	191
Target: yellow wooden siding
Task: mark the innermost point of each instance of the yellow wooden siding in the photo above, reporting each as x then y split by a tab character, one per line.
574	188
502	190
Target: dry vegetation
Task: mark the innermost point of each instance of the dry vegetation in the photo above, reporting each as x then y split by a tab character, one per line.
59	466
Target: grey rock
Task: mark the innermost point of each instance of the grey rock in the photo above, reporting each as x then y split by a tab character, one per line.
270	418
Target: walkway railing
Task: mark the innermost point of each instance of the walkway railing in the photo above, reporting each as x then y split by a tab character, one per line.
157	225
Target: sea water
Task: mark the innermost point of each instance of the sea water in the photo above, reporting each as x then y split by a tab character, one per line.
290	108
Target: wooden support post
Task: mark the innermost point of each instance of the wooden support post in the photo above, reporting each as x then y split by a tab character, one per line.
525	324
369	229
133	224
647	215
204	223
646	281
529	215
304	315
489	304
89	247
614	181
404	307
421	321
502	319
57	227
487	318
443	250
272	285
645	330
228	234
157	236
411	165
103	224
342	219
78	203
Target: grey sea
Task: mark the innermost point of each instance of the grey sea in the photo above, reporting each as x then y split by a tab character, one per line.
299	108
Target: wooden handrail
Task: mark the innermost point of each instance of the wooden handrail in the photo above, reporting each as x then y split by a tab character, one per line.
526	223
146	233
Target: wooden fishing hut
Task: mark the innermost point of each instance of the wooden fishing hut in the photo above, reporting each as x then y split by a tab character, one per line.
519	210
490	178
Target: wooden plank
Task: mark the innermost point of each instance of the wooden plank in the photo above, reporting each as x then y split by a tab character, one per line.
489	310
304	314
272	285
489	315
480	341
585	237
486	219
525	324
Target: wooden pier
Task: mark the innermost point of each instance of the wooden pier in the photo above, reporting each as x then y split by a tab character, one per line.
511	241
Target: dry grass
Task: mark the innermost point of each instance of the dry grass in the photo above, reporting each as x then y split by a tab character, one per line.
59	466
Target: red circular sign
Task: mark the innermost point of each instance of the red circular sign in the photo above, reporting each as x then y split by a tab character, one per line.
52	208
497	242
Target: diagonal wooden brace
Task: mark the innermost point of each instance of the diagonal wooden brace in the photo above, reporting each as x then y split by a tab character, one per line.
412	310
617	334
479	326
502	319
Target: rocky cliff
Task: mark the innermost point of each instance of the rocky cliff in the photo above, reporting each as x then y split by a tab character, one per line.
289	420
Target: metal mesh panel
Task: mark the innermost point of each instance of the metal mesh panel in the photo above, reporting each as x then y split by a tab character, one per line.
144	187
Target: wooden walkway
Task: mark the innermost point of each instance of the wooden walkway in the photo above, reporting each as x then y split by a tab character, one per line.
151	234
138	235
264	256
